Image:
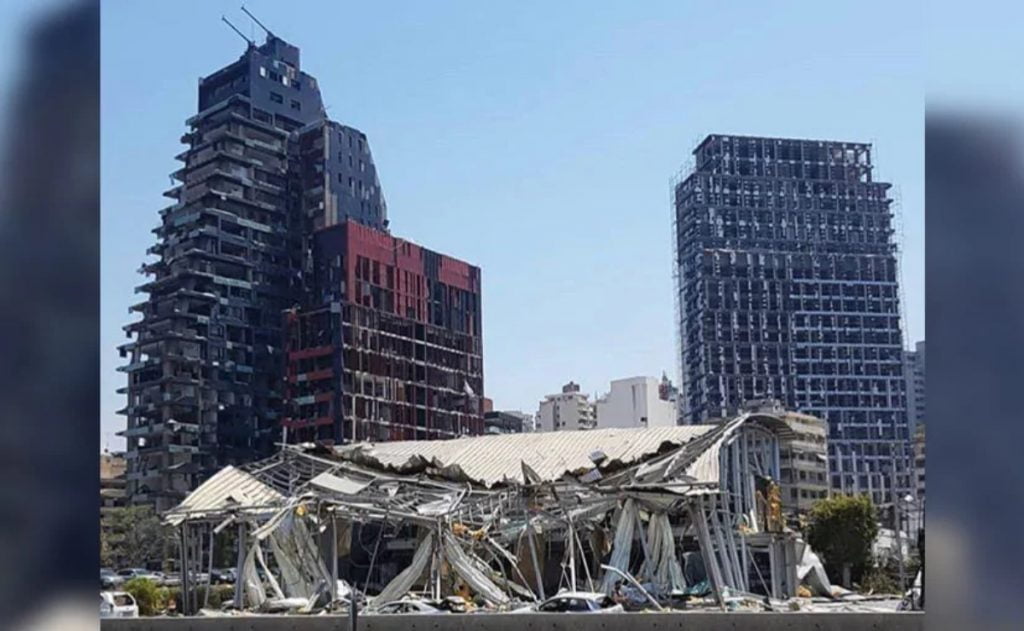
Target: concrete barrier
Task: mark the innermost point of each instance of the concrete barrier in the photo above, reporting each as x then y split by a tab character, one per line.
701	621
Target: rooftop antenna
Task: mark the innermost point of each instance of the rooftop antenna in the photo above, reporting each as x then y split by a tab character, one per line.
256	20
240	34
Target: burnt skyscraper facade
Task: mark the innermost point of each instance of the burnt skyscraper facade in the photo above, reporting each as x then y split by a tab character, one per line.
264	172
787	288
387	344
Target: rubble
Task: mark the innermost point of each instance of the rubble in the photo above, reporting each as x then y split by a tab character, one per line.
655	518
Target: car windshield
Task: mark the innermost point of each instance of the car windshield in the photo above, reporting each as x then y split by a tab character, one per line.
123	600
556	604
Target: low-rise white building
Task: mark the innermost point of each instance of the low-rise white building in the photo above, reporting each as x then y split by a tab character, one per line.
636	402
569	410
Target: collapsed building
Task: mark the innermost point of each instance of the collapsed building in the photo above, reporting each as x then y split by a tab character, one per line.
505	519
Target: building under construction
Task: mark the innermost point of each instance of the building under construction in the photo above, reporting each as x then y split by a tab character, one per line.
266	182
787	288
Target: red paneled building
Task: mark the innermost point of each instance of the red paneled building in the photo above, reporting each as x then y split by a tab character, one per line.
388	346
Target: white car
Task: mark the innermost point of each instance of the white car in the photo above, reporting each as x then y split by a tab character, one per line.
407	607
118	605
584	602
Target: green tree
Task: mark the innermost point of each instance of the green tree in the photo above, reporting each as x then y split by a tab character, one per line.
133	536
842	530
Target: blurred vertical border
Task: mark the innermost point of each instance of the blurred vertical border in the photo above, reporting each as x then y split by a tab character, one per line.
974	190
975	418
49	315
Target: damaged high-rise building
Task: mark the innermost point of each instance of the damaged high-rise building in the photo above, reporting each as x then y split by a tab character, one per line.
387	343
787	288
266	180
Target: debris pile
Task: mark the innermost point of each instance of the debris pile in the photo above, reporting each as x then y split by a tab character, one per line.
675	517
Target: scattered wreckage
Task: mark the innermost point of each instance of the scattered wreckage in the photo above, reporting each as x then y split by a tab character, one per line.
640	518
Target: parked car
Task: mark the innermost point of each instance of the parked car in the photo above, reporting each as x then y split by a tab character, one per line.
451	604
586	602
223	575
173	579
118	605
140	572
109	579
407	607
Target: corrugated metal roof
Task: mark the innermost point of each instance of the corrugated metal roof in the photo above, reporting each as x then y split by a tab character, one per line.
228	488
497	459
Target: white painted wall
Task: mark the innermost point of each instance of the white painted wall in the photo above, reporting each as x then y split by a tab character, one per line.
565	411
634	402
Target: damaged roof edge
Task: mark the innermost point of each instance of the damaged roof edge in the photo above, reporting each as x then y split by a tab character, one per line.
497	460
230	488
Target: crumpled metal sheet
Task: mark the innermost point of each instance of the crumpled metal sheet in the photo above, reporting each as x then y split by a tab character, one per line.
402	583
662	566
303	571
253	592
335	483
811	572
469	572
439	507
622	546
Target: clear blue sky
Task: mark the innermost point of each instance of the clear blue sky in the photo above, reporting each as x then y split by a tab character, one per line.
534	139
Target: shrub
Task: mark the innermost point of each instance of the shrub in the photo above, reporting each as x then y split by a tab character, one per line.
218	594
174	595
150	597
223	593
879	581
